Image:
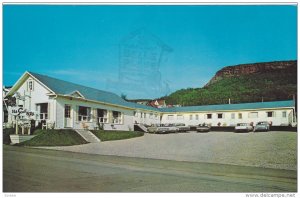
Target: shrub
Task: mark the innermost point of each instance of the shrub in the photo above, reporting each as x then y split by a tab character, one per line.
6	133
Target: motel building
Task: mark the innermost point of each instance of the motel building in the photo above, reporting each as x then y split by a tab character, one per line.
52	103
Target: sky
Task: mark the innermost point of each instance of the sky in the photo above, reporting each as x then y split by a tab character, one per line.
80	44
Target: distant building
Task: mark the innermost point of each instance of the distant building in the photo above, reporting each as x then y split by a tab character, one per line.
158	103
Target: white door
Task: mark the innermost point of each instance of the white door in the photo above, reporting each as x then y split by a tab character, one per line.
68	116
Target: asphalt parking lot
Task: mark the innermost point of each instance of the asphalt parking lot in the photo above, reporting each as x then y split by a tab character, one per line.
265	149
41	170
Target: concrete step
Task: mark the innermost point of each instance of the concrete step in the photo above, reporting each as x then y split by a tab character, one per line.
88	136
141	127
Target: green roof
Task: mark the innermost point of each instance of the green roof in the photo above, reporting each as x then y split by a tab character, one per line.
66	88
228	107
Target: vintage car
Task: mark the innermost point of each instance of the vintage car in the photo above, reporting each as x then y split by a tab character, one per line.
243	127
182	127
203	128
262	126
167	128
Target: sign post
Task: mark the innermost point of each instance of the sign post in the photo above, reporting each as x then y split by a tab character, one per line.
17	112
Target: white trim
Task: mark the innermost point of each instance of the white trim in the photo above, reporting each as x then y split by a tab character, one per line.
23	78
233	110
76	91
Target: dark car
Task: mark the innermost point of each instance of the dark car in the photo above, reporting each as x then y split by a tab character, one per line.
262	126
203	128
182	127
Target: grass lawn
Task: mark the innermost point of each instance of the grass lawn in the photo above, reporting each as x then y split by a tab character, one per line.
116	135
61	137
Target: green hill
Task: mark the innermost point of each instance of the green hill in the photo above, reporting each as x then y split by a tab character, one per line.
243	83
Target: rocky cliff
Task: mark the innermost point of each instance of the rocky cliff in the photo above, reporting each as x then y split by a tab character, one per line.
246	69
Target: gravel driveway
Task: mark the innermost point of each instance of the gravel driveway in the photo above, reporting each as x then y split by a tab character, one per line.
267	149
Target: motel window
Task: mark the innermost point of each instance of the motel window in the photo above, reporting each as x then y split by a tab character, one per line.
220	115
191	117
232	115
84	113
151	115
67	111
179	117
30	85
135	114
284	114
270	114
170	117
240	115
144	115
117	117
156	116
197	117
141	114
253	115
102	116
209	116
42	111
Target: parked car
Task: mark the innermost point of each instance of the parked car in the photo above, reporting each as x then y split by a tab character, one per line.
168	128
152	129
182	128
262	126
203	128
243	127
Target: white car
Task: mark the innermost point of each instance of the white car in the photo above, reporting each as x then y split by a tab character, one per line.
243	127
163	129
182	127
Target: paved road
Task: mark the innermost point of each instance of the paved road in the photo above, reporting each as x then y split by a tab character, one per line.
264	149
36	170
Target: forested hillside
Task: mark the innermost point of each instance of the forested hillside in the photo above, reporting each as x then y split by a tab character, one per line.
243	83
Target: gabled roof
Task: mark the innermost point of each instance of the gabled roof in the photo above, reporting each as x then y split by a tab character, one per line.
76	94
229	107
62	87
